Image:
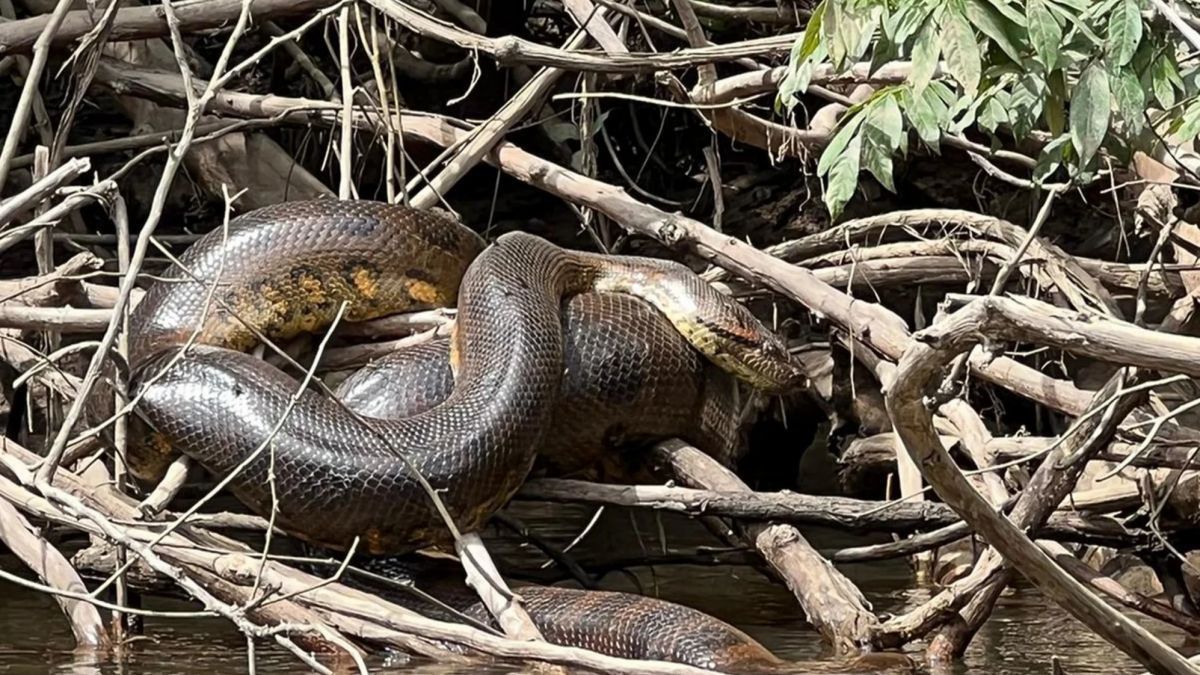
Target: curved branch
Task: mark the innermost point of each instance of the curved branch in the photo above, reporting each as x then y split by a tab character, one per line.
1060	269
509	49
920	369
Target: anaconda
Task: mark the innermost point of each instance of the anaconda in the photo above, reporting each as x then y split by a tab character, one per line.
292	268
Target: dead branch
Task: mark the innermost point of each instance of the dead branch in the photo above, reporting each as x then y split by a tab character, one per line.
838	512
52	568
876	453
919	368
139	23
513	50
70	495
831	601
482	138
65	319
41	189
18	125
354	612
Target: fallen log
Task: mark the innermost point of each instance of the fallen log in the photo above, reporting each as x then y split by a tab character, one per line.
854	515
139	23
833	604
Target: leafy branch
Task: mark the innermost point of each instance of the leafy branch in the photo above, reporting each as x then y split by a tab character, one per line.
1081	74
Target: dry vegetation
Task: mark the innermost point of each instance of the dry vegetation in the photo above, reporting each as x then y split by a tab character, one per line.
998	316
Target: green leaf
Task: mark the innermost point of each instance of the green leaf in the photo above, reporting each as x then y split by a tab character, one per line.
921	113
1191	82
1056	117
794	84
1173	72
943	98
1144	56
561	131
1028	96
1124	32
866	34
806	50
843	177
1009	71
1160	80
992	114
900	25
962	113
1090	112
839	143
1075	52
993	24
948	97
878	162
1095	10
885	52
961	51
1072	16
885	118
1044	32
882	136
1011	10
926	51
967	110
1130	99
1052	157
807	44
842	32
1189	125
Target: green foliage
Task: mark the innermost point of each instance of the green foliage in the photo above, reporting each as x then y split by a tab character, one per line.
1090	112
1045	32
1082	73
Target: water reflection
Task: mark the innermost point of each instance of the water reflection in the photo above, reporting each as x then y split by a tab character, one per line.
1022	637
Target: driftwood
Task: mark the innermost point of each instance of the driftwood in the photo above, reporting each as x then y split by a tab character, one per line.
841	512
139	23
49	565
341	606
832	602
914	426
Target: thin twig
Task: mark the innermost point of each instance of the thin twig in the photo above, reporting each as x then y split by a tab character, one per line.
345	184
20	117
174	159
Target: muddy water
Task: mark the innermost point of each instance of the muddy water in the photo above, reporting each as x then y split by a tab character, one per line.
1023	636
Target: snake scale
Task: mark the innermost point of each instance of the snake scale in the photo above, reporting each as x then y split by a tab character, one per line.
629	378
527	311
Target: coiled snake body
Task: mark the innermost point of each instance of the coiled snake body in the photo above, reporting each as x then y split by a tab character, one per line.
291	268
629	378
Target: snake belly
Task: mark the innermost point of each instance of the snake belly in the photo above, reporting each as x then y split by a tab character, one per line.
340	479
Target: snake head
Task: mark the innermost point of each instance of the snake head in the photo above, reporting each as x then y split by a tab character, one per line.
752	352
726	332
734	339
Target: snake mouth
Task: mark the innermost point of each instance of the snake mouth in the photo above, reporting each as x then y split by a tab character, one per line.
739	343
786	373
769	369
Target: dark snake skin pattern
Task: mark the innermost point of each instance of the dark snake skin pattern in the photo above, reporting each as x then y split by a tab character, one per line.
609	622
288	269
630	379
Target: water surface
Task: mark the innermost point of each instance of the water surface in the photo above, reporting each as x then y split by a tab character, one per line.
1023	636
